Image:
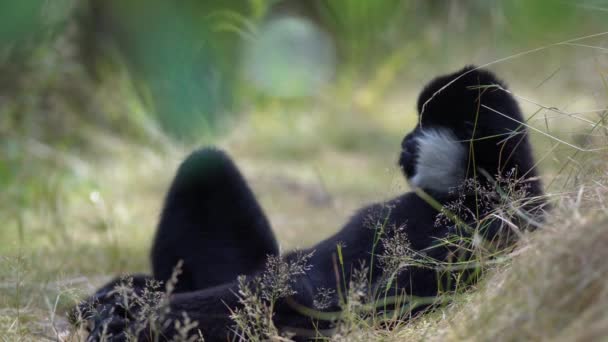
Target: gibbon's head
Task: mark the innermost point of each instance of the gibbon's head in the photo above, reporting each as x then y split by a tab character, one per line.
469	125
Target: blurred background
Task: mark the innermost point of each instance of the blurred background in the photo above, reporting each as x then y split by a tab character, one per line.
101	99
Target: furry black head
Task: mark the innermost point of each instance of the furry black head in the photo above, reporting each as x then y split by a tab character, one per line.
469	124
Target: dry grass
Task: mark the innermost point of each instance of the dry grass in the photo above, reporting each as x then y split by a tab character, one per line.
554	287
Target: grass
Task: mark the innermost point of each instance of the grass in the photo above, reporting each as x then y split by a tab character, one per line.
553	288
80	205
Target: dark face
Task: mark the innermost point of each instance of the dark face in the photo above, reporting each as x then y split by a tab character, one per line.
409	154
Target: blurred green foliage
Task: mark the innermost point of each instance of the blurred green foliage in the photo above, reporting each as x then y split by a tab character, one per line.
21	21
359	25
542	18
187	69
184	61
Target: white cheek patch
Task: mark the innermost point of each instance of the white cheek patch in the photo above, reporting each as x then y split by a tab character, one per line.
441	160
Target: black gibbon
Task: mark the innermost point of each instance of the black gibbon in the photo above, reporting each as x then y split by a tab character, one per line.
469	139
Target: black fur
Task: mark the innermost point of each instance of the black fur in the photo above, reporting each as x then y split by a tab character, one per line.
210	218
213	223
463	107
